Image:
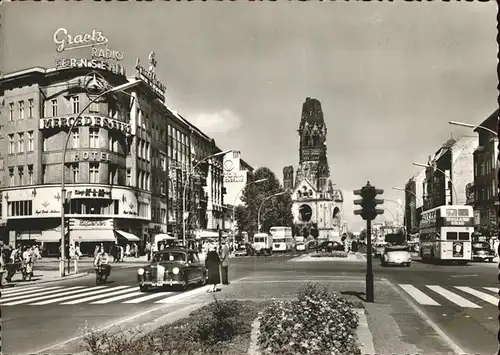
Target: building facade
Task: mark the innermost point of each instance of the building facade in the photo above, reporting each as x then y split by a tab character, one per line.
455	159
315	203
483	192
414	202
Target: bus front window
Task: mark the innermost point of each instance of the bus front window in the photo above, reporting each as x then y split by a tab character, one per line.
463	236
451	236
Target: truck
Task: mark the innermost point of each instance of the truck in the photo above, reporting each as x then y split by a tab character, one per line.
262	243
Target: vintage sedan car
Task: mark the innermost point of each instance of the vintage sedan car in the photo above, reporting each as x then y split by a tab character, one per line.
300	246
241	250
396	255
175	266
482	251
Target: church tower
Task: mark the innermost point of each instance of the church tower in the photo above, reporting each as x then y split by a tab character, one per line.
313	163
288	178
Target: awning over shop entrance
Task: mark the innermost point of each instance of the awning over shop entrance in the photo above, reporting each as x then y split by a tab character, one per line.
49	236
129	236
93	235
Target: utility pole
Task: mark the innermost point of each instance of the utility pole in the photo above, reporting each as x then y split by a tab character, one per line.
369	212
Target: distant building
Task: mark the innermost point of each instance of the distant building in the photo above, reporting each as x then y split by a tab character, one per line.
414	202
316	204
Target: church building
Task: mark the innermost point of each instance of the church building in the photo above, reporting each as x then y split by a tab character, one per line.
316	204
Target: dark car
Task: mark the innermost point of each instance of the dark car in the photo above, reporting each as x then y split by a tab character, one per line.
330	246
482	251
176	266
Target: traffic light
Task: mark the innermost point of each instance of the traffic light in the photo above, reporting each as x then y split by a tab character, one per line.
369	202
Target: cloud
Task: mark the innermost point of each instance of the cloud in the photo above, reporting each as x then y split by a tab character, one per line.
217	122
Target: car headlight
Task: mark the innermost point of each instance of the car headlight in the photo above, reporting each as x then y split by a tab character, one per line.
175	270
140	272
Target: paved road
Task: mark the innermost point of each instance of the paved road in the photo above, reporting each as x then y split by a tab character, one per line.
460	299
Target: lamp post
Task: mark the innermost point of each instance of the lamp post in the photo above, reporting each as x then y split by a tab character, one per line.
411	192
121	87
236	197
262	204
463	124
449	176
184	217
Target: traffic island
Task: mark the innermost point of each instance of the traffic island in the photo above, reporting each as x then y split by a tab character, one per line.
330	256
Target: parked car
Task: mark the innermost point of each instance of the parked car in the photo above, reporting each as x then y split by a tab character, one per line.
300	246
241	250
397	255
482	251
329	246
175	266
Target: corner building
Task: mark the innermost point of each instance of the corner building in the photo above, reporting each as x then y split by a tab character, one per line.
108	159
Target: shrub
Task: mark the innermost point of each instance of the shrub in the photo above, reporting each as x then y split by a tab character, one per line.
333	254
319	322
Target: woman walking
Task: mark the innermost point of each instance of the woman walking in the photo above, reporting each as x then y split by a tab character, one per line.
212	263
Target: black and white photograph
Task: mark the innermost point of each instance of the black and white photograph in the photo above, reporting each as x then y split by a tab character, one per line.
249	177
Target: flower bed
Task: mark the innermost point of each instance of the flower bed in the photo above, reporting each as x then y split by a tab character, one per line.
319	322
221	327
333	254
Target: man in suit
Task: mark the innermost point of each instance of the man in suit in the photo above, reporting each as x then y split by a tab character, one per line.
224	257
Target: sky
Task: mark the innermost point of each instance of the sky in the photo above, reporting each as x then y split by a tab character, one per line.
389	76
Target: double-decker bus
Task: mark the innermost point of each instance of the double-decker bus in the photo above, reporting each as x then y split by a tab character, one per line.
446	233
282	238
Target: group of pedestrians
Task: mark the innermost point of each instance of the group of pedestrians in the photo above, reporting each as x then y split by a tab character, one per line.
217	264
22	259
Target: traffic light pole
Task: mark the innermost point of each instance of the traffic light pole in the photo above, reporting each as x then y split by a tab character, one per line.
369	268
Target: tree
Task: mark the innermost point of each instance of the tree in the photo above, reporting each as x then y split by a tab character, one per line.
362	235
276	211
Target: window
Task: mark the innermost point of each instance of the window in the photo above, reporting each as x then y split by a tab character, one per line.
20	208
31	180
12	181
112	174
451	236
76	138
21	110
129	177
12	147
54	107
20	173
75	172
44	173
148	151
94	172
75	104
94	106
20	145
463	236
31	142
44	144
31	107
94	137
11	111
113	142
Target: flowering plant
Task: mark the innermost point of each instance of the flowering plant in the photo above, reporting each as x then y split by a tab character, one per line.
333	254
318	322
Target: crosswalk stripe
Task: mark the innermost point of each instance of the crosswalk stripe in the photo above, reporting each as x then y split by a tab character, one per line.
55	300
492	289
117	298
18	289
453	297
46	297
418	295
484	296
91	298
148	297
30	296
31	292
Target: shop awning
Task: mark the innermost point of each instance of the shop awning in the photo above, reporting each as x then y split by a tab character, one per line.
49	236
93	235
207	234
28	236
129	236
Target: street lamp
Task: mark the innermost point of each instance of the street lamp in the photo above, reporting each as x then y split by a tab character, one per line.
411	192
121	87
451	181
184	217
262	204
236	197
463	124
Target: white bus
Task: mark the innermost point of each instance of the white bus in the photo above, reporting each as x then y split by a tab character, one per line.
446	233
282	238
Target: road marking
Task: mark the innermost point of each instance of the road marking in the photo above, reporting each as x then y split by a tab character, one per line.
18	289
418	295
46	297
29	298
148	297
91	298
453	297
484	296
27	292
76	296
492	289
117	298
187	294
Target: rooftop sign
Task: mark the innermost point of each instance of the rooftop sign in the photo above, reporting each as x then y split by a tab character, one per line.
149	76
66	42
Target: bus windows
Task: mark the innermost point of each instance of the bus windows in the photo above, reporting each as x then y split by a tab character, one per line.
463	212
463	236
451	236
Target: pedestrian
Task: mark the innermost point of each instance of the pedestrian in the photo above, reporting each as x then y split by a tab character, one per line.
224	256
147	250
212	263
122	253
127	250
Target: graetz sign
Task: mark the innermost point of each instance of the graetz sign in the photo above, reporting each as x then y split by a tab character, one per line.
95	39
86	120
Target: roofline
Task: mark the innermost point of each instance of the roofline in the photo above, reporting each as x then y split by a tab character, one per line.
27	71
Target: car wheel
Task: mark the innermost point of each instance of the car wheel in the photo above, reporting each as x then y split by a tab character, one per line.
408	264
203	281
144	288
186	285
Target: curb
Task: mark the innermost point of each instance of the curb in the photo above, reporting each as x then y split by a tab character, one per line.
26	283
363	332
